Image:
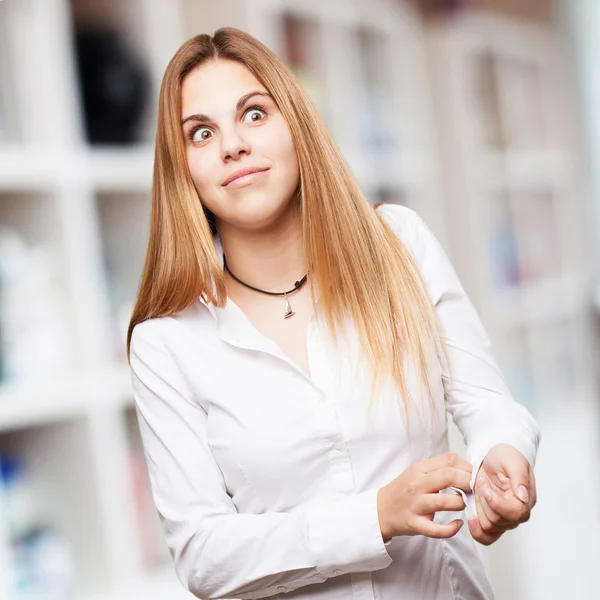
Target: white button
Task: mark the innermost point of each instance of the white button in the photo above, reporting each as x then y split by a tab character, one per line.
339	447
281	588
337	572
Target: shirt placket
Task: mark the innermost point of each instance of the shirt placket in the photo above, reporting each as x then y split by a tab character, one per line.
323	368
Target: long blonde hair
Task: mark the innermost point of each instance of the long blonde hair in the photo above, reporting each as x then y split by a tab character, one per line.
349	249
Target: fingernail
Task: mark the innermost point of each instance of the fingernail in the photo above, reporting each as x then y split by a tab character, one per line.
487	495
523	494
472	523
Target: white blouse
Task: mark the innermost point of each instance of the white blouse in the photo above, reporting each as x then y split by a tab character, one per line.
266	479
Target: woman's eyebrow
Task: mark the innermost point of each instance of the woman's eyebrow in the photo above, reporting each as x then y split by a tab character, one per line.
201	118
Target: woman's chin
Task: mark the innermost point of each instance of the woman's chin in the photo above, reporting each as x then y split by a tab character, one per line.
258	222
256	219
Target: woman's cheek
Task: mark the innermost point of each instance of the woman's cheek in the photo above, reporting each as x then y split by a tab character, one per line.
198	177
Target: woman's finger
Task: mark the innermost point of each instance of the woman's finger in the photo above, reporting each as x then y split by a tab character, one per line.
507	508
498	523
432	503
486	496
450	459
498	483
437	530
481	536
517	469
485	515
445	478
533	489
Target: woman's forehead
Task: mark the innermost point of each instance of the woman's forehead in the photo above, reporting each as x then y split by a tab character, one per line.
217	85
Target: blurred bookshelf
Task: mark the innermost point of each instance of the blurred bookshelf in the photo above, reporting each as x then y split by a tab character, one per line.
77	519
515	216
517	233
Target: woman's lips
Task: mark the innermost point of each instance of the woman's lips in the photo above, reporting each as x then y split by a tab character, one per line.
247	179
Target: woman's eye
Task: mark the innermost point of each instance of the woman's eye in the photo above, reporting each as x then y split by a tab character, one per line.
253	111
198	135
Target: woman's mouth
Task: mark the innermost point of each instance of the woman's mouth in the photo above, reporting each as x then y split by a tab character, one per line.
247	179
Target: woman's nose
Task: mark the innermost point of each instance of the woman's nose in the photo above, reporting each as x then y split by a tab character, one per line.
233	145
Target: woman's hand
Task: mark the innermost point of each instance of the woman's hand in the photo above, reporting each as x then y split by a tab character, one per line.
505	493
407	505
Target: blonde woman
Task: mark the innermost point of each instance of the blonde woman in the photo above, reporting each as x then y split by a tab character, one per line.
294	351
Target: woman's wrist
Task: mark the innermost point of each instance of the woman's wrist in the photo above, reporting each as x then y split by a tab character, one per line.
386	533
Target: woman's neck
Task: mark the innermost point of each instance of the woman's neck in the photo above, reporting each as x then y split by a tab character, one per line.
272	259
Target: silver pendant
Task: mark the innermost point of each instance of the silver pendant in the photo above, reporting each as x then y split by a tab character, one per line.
288	309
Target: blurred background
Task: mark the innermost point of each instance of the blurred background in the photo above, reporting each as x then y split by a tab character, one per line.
482	115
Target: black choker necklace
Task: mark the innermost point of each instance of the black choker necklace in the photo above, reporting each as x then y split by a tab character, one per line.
288	309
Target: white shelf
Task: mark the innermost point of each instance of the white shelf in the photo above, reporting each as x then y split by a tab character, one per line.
49	168
522	170
399	172
69	396
549	300
121	169
160	585
382	16
28	168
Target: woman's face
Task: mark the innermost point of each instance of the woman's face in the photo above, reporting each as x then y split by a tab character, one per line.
226	128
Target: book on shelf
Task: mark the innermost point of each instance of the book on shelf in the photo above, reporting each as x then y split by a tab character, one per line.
36	335
41	561
300	36
538	241
487	102
524	239
523	102
373	95
502	236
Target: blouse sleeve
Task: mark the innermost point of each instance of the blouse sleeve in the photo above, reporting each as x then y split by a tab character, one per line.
218	552
478	397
